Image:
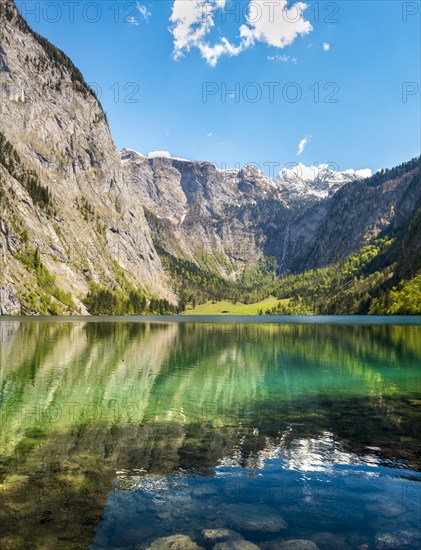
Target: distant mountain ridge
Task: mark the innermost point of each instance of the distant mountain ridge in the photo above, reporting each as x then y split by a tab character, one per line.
242	216
298	180
321	181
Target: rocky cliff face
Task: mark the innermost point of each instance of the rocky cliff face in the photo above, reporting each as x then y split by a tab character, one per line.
9	304
61	184
207	212
359	212
309	217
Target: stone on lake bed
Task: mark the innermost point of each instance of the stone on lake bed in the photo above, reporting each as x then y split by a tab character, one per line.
174	542
397	540
219	535
329	541
247	517
385	509
12	542
293	544
205	490
235	544
415	402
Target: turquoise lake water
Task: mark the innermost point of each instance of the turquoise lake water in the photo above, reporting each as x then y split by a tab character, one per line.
117	432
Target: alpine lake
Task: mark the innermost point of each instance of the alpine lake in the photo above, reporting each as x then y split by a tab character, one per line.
228	433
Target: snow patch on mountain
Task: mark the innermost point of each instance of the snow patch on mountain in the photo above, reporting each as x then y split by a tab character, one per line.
319	181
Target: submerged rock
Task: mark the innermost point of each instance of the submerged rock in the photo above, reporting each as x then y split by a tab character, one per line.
329	541
398	540
247	517
235	544
294	544
385	509
220	535
12	542
174	542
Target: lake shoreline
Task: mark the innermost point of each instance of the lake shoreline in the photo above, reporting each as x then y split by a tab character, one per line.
249	319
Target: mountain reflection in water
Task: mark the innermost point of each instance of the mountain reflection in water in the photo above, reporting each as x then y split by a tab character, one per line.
116	433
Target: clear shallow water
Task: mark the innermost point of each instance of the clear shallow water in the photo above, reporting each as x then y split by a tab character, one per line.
116	433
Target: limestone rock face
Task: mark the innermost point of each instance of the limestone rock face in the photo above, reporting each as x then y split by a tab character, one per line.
207	211
60	136
305	218
9	304
331	229
319	182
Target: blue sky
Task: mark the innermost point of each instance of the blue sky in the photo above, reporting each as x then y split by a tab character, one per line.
249	81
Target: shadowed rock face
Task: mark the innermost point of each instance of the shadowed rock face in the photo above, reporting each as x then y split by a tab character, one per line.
207	211
357	213
59	131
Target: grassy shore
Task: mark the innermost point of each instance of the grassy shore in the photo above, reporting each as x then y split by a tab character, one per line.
228	308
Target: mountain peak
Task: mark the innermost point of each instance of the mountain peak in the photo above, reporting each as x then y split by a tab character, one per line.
320	181
130	154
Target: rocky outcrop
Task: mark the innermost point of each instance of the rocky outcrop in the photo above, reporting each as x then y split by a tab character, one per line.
206	211
307	183
9	304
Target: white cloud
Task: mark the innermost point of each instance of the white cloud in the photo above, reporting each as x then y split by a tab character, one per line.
326	46
159	154
282	58
143	10
132	21
213	53
302	144
210	134
191	23
274	22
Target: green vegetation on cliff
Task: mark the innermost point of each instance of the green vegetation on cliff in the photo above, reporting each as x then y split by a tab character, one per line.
11	161
122	298
46	297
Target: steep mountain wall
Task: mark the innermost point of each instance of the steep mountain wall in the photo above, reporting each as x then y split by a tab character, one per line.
241	216
207	213
62	189
356	214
